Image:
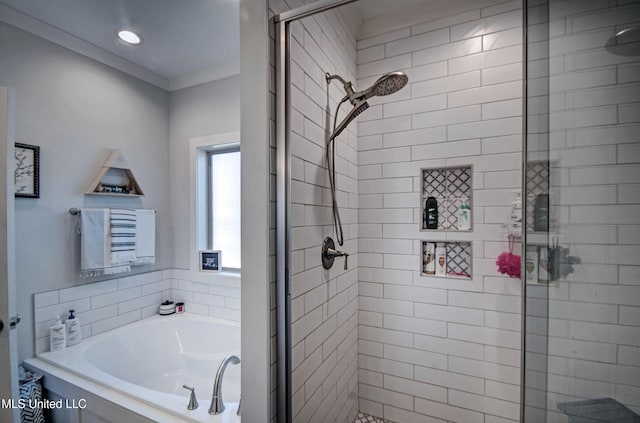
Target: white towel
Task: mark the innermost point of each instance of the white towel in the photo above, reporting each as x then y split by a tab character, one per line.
123	236
145	237
95	244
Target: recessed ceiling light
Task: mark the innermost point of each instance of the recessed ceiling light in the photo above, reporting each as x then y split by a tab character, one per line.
129	37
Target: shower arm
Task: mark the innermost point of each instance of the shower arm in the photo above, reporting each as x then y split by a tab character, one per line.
348	87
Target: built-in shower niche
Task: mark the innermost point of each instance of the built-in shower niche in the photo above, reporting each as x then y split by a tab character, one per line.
459	256
451	187
537	188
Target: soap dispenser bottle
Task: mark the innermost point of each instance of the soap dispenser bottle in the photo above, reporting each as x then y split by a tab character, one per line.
74	335
57	335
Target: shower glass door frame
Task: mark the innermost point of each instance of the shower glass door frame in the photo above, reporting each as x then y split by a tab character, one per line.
283	200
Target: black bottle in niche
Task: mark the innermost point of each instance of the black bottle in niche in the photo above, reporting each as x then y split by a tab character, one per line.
431	213
541	213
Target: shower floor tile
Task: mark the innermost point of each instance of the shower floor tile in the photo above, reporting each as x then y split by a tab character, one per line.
365	418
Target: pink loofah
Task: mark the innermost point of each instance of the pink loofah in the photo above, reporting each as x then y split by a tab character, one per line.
509	263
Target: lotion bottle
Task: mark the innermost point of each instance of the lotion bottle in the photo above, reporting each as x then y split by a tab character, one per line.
514	217
531	265
464	218
74	334
57	335
430	263
441	259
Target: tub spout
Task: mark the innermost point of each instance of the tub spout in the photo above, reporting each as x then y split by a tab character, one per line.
217	405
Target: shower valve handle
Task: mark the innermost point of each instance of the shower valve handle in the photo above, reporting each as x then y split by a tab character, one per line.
337	253
329	254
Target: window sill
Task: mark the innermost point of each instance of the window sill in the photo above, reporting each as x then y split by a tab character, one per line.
225	278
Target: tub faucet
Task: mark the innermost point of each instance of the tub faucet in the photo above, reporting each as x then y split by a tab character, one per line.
217	405
193	401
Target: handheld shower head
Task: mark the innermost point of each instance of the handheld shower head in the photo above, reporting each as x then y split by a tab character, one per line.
387	84
360	106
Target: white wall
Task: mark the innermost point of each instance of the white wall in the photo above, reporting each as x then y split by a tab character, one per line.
258	213
438	349
77	110
202	110
594	313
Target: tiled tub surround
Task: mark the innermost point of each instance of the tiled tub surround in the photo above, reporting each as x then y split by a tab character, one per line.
106	305
440	349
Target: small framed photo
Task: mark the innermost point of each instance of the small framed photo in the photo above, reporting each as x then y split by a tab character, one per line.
210	261
27	170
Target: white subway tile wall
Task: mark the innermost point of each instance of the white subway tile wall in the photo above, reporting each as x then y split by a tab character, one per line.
325	319
324	303
106	305
594	318
433	349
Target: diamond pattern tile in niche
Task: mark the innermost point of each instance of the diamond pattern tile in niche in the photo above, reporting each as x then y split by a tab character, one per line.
451	187
537	183
365	418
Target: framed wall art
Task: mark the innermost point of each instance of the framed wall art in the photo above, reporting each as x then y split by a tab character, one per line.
210	261
27	170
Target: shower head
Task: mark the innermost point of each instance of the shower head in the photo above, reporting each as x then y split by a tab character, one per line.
387	84
625	42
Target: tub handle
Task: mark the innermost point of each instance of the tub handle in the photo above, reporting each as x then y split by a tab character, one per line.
193	402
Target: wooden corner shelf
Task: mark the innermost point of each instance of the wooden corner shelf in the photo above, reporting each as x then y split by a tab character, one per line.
115	178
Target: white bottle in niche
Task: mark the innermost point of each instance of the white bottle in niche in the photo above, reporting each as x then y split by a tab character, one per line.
57	335
430	264
441	259
74	335
531	265
514	218
464	218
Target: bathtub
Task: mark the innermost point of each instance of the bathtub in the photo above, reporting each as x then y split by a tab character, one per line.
151	359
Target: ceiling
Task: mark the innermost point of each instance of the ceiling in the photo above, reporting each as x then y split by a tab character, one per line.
183	40
187	42
373	8
373	17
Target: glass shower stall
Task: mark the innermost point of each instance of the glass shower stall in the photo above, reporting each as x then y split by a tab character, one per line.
582	319
458	202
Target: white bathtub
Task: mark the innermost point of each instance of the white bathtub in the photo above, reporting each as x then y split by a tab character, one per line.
151	359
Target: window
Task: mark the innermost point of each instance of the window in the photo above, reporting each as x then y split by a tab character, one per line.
223	204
